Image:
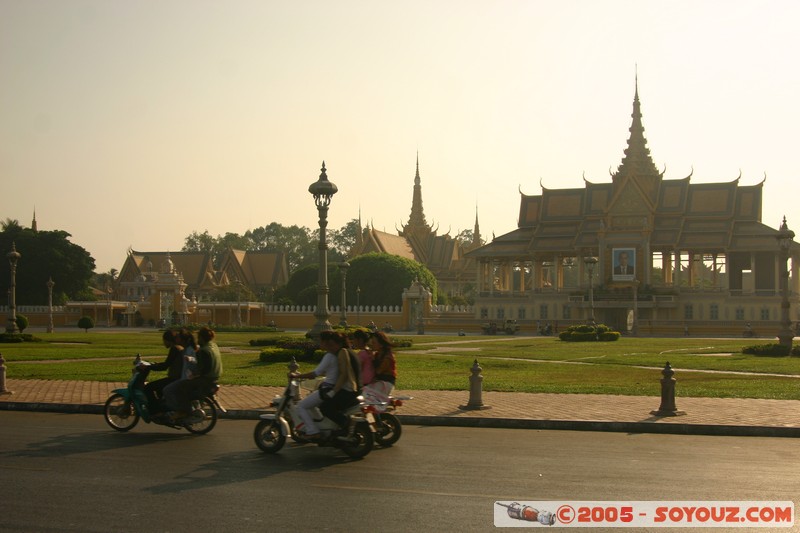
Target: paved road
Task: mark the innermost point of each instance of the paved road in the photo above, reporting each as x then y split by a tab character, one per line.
66	472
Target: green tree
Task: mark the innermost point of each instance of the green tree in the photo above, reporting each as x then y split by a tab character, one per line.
269	238
232	240
465	237
10	224
45	254
204	242
105	280
301	288
343	240
381	277
297	242
85	323
22	322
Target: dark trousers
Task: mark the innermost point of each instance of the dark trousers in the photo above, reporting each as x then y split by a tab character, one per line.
179	395
155	393
332	408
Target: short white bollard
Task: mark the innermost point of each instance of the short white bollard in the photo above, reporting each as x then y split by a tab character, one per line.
475	389
3	389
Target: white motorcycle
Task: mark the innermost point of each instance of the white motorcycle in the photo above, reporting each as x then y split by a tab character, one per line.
356	439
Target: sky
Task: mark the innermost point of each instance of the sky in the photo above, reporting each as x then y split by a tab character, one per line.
134	124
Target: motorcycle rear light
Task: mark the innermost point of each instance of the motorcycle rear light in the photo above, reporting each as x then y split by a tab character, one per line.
397	403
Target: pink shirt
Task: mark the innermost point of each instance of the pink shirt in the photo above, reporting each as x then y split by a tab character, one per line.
367	368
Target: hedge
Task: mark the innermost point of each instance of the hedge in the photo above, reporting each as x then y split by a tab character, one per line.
767	349
589	333
18	337
274	354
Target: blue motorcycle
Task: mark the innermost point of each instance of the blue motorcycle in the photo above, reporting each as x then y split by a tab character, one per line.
126	406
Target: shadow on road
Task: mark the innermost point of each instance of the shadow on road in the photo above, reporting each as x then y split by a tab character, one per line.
90	442
238	467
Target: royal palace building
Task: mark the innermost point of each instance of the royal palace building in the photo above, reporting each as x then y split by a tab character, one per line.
641	254
177	287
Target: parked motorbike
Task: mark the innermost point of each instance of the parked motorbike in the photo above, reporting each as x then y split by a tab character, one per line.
356	440
387	426
126	406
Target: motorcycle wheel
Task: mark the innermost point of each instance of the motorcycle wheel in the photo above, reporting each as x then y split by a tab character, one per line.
268	436
120	414
362	442
388	431
201	427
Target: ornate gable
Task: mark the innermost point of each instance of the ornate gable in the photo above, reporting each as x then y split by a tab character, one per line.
562	204
529	209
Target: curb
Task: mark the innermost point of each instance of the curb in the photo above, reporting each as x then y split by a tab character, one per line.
604	425
477	422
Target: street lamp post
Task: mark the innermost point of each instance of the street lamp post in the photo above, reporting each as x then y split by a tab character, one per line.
272	307
635	329
13	256
590	263
50	285
343	268
109	294
322	190
358	304
420	324
785	236
238	321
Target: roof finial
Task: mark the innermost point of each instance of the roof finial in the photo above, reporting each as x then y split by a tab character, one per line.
476	232
417	218
637	158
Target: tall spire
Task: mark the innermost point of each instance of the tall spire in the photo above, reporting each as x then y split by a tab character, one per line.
417	218
637	159
33	223
360	236
476	233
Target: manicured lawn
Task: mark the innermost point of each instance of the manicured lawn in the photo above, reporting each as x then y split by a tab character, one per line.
630	366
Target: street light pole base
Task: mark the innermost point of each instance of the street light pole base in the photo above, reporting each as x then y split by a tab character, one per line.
316	329
668	413
474	407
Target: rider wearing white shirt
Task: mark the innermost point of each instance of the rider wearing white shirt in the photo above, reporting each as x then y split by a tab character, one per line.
328	367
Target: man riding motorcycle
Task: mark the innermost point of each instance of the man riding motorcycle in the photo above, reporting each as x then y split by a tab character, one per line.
340	388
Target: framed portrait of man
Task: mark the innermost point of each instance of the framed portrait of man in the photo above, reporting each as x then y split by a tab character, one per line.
624	264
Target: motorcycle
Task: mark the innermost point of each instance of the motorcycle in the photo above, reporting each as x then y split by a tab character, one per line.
356	440
387	426
125	407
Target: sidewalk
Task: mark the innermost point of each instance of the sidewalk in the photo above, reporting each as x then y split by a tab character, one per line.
584	412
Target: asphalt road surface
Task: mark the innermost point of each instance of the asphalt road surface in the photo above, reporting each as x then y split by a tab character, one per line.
65	472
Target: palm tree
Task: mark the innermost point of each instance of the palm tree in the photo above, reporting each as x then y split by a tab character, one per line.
10	223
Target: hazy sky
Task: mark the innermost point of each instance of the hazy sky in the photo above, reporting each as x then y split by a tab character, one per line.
135	123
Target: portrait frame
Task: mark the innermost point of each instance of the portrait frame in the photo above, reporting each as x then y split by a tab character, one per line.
623	259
